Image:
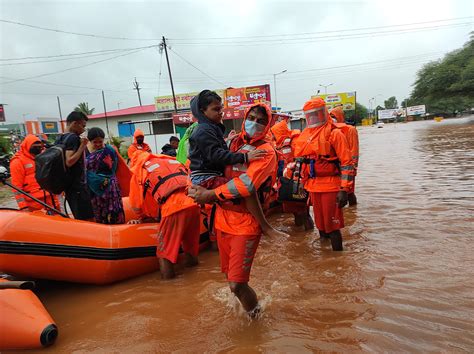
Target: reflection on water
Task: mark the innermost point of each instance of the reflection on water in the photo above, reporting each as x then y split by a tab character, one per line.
403	283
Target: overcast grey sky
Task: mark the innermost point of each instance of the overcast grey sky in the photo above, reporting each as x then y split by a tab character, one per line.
295	38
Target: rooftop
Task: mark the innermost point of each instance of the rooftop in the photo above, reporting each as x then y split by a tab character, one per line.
149	108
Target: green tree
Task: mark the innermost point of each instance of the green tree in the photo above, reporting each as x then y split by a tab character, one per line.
391	103
84	108
446	86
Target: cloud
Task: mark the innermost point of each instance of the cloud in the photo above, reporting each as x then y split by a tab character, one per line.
233	64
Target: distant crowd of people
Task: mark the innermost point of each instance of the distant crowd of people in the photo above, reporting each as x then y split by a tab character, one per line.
235	179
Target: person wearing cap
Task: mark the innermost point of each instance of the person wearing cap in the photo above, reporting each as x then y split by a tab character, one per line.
329	171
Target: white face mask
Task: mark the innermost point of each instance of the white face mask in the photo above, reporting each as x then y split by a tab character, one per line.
253	128
315	117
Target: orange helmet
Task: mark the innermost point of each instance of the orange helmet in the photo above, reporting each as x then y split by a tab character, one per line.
315	112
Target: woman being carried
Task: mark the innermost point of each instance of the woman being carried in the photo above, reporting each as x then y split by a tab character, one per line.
209	153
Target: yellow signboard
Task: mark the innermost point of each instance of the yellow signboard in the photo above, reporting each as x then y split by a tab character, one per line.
165	103
346	99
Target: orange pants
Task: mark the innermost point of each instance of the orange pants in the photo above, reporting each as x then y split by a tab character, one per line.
236	253
180	228
327	214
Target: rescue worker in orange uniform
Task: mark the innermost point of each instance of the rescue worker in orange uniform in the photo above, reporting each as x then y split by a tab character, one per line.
350	132
157	190
328	171
239	232
138	144
22	169
283	138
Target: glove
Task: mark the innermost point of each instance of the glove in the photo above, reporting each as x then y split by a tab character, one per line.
341	199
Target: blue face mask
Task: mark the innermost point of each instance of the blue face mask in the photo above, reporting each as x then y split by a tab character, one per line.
253	128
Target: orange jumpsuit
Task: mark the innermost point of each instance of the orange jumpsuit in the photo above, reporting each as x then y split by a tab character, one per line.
238	233
22	169
329	171
180	216
137	147
352	137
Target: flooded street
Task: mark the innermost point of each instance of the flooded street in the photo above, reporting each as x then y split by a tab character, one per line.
405	281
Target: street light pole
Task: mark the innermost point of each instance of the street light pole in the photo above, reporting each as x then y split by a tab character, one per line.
275	86
326	87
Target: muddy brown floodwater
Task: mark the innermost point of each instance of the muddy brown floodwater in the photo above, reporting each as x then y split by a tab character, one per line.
405	281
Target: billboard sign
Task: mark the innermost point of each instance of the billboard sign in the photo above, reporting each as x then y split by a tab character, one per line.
416	110
2	113
346	99
165	103
243	97
391	113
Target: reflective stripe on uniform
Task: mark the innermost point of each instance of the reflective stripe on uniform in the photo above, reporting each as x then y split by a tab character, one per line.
347	168
247	182
233	189
152	167
347	177
247	147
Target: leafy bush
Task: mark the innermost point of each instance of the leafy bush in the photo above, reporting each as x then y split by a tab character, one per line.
5	145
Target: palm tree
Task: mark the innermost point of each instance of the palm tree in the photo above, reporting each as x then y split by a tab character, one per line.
84	108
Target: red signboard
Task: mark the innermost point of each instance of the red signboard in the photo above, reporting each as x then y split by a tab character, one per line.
233	113
2	113
183	118
246	96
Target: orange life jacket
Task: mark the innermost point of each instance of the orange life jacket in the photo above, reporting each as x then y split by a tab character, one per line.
165	176
285	152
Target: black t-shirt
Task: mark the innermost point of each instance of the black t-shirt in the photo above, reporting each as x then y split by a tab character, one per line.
72	142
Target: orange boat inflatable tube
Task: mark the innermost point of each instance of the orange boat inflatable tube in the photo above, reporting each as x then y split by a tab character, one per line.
24	322
35	245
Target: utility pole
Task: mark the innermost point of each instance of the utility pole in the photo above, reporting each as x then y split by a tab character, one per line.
275	86
169	72
137	87
105	114
59	107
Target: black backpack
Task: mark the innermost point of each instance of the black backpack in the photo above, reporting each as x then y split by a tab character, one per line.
51	172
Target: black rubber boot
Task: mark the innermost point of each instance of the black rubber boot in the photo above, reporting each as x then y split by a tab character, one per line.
324	235
308	223
336	240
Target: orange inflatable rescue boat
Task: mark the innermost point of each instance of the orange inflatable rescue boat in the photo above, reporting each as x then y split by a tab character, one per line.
24	322
39	246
